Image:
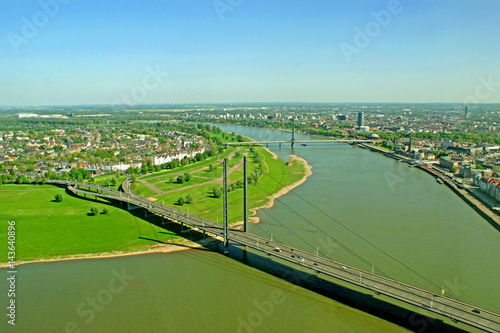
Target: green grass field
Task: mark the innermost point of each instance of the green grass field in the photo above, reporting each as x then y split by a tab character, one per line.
143	190
275	176
47	229
186	167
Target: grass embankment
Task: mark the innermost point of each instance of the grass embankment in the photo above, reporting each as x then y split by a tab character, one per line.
107	180
46	229
276	175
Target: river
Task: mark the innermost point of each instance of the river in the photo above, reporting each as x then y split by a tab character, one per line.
381	215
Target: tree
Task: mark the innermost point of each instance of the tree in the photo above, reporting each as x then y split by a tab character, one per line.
189	199
94	211
58	197
187	176
105	211
181	179
181	201
217	192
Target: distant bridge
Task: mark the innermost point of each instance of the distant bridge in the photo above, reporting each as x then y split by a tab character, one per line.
294	141
444	306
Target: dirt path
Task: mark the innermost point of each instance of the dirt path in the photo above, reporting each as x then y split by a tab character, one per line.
151	186
211	181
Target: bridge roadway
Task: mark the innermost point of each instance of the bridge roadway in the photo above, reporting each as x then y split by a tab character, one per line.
295	141
453	309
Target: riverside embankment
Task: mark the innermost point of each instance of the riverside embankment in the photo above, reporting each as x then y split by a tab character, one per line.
488	214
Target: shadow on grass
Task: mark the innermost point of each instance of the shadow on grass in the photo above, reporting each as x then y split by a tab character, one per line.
169	227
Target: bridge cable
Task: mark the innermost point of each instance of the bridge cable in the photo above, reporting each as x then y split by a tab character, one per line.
344	226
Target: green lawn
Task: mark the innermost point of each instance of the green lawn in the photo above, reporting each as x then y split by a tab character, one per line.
276	176
216	173
166	176
48	229
143	190
187	167
102	179
168	186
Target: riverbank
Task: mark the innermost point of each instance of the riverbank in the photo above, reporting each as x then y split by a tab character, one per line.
272	198
298	166
181	245
490	216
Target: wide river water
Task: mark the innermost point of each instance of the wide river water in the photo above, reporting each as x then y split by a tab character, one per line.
358	208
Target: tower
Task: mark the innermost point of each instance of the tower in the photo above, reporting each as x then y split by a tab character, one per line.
361	119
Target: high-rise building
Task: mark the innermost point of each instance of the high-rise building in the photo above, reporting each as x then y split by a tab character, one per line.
361	119
466	112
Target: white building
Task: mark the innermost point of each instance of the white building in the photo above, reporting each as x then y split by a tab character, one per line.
490	186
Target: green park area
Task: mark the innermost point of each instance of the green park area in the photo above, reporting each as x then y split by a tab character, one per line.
200	190
50	223
47	229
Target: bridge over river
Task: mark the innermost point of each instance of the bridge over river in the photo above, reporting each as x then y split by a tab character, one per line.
294	141
444	306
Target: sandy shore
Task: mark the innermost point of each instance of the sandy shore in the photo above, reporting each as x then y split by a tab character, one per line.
284	190
159	248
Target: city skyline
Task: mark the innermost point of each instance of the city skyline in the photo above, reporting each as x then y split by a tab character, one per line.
56	52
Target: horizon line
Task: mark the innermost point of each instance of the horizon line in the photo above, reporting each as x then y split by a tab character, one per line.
231	104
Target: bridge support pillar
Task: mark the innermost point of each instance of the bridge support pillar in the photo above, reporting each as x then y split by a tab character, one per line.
245	194
225	208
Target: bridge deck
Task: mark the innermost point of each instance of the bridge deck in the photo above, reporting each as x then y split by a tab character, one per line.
453	309
296	141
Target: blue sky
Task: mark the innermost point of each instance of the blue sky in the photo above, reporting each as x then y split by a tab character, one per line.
104	51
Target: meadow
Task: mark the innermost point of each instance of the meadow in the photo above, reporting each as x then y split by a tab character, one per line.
49	229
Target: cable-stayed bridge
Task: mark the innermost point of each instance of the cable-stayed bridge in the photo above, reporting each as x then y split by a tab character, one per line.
453	309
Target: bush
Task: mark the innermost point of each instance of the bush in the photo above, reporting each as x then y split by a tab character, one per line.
58	197
180	179
217	192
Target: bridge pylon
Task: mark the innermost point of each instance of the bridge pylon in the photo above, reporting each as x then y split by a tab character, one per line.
225	206
245	194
